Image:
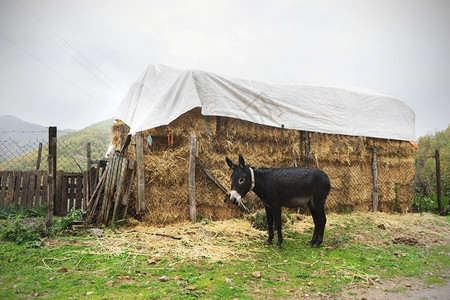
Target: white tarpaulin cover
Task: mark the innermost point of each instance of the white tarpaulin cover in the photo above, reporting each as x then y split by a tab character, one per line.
163	93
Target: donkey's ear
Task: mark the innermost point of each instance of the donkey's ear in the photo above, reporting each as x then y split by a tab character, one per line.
241	161
231	164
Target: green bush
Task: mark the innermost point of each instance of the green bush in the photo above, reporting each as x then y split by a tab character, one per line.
429	204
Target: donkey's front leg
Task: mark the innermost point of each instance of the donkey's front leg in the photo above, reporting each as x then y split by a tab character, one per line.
269	216
277	218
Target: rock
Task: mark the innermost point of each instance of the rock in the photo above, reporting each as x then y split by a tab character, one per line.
256	274
163	278
109	282
96	231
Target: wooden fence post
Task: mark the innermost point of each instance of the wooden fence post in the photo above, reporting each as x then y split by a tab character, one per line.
52	139
88	189
193	153
438	181
141	205
38	163
374	181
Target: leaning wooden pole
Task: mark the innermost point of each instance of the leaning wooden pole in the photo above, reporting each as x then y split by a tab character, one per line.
374	181
193	153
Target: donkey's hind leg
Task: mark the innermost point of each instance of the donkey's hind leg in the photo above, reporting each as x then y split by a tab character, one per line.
316	207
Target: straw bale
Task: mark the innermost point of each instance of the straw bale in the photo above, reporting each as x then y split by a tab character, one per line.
347	160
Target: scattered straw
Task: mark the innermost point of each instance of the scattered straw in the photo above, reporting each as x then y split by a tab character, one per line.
215	241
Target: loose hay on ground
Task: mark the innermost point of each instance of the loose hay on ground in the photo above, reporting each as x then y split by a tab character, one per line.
215	241
235	238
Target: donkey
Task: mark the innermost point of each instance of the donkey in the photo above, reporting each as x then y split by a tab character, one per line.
287	187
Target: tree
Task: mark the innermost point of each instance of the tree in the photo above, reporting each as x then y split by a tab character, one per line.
425	179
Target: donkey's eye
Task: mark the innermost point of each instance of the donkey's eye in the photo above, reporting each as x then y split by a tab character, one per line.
241	180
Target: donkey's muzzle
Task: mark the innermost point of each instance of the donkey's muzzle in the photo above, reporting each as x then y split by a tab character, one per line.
235	197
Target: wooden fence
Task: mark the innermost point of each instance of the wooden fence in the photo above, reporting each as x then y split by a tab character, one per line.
30	189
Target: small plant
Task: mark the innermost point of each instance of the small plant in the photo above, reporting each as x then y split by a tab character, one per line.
345	208
259	220
17	232
63	224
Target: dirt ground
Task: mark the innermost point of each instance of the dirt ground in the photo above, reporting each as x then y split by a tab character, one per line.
399	289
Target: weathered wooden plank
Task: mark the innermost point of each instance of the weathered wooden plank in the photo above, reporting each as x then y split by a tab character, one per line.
193	153
97	190
93	179
100	187
3	189
86	193
24	189
132	170
61	194
37	189
11	188
31	189
18	185
109	175
78	191
120	189
110	203
44	198
71	192
141	205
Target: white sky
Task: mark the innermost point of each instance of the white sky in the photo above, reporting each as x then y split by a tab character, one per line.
69	63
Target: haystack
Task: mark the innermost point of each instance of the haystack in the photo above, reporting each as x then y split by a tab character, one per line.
346	158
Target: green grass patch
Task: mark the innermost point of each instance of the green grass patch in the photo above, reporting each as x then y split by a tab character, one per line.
80	266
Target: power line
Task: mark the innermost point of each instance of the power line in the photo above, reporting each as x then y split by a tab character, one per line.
48	67
72	48
65	51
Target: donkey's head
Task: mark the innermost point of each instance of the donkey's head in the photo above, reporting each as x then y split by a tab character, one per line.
242	179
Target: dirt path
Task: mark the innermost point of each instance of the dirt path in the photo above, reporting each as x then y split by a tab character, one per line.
400	289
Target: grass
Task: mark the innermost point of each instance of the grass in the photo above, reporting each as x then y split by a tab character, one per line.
121	265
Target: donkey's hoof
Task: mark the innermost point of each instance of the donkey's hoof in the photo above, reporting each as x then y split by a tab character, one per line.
314	244
268	243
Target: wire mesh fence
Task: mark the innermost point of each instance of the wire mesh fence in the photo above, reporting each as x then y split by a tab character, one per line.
26	151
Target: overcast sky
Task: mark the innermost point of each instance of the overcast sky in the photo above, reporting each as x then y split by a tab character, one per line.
70	63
